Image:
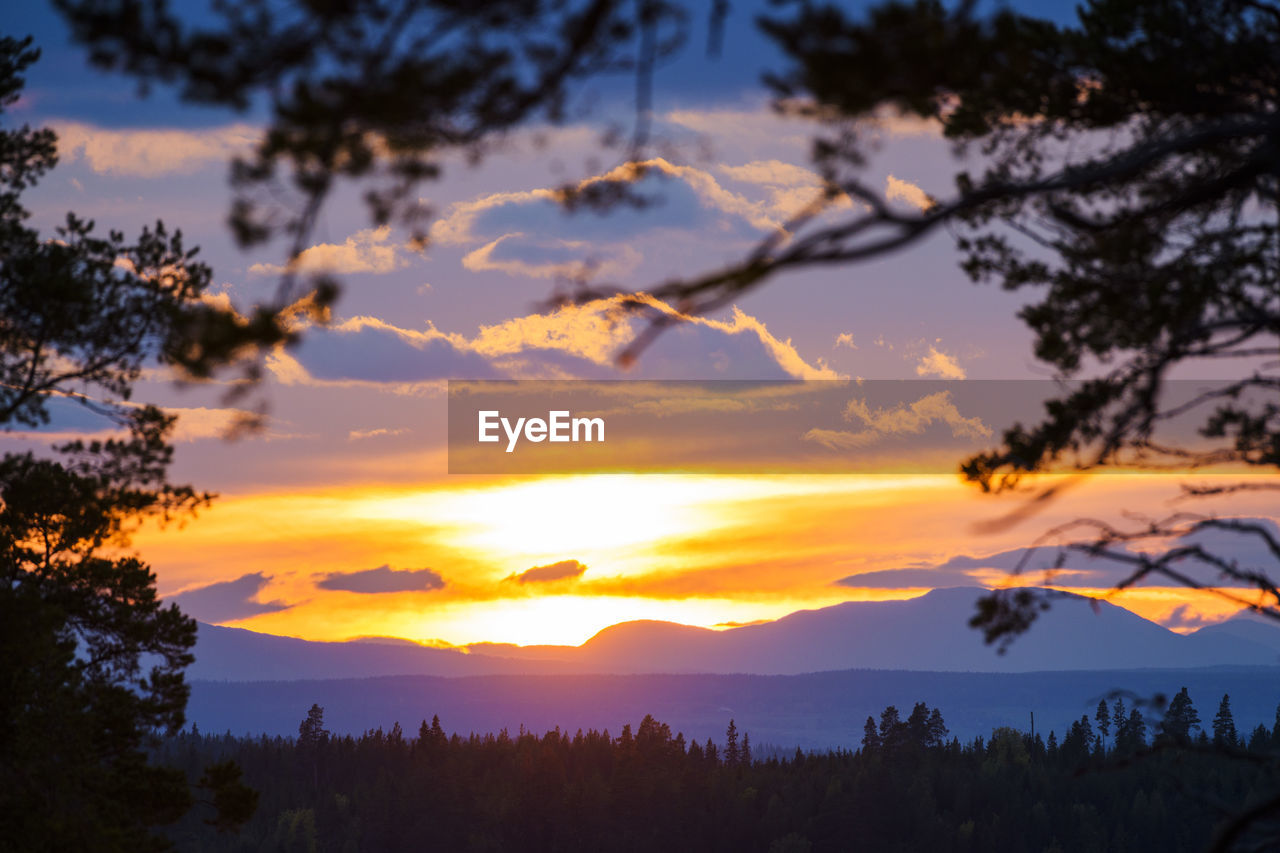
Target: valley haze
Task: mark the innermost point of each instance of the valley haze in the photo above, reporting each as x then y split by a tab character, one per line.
808	680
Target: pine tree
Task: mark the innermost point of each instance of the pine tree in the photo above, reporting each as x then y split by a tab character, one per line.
626	741
1180	719
311	731
745	758
891	728
731	752
1136	729
91	659
870	737
1119	718
1103	717
937	729
1086	728
311	735
432	736
918	724
1224	727
1078	741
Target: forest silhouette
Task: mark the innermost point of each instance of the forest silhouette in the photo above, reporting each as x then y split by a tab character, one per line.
1109	783
1155	248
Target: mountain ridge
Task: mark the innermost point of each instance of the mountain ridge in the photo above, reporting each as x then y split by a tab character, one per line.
816	710
928	633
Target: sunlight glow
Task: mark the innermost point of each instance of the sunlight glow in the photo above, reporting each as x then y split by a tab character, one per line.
556	518
698	550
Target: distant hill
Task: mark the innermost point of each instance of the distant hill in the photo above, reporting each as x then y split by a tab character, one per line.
929	633
926	633
234	654
1246	627
812	711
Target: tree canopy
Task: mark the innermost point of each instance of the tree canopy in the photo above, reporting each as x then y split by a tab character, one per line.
1123	171
589	790
91	660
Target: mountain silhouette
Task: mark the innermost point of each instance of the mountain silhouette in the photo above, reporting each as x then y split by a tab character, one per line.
926	633
1247	627
929	633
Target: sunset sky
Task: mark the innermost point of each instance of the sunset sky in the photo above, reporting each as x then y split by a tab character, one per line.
340	520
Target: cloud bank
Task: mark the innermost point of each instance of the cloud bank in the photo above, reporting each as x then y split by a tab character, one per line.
573	341
563	570
382	579
902	419
151	153
366	251
227	601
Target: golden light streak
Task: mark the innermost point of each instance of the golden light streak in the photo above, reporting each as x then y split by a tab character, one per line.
700	550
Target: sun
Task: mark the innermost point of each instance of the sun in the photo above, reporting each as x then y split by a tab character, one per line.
563	517
618	524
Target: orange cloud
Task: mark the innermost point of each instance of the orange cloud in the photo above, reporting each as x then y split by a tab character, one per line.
382	580
194	424
565	570
765	127
900	190
594	332
751	129
591	260
938	363
837	439
365	251
149	153
457	226
791	188
783	351
937	407
379	432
